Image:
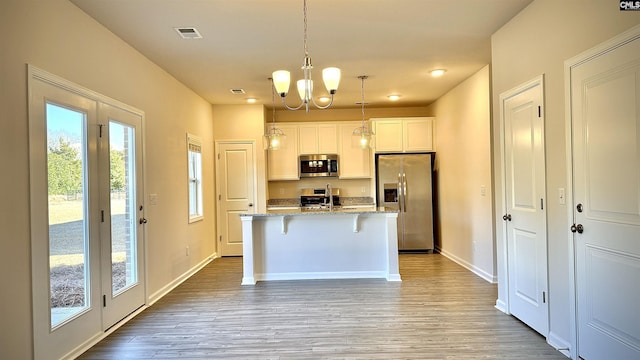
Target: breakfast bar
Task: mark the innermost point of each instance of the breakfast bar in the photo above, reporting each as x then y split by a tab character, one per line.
339	244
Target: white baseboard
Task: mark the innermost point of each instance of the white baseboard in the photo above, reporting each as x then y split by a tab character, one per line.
179	280
322	275
502	306
152	299
474	269
559	344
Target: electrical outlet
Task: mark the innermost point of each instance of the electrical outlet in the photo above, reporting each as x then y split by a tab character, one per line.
483	190
364	189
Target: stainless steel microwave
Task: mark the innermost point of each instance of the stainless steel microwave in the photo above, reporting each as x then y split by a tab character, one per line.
318	166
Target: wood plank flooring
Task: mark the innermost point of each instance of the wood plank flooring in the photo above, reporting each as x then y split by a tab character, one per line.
439	311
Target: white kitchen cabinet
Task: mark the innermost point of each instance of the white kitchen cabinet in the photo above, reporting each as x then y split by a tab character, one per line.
354	161
404	134
283	163
317	139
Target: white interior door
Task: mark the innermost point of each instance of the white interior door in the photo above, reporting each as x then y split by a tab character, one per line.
235	181
122	213
605	112
525	215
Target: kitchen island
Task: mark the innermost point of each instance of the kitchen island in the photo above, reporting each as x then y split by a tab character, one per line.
291	244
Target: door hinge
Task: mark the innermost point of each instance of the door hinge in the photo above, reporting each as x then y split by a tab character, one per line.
541	204
100	130
104	300
544	297
219	197
101	215
218	156
539	111
220	238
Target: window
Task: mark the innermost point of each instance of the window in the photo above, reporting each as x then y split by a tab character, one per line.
194	152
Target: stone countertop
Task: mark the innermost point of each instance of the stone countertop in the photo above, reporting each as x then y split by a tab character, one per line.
335	211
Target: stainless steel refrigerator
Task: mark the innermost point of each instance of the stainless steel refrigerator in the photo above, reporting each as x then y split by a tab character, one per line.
405	183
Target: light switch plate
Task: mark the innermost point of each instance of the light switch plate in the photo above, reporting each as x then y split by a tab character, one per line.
153	199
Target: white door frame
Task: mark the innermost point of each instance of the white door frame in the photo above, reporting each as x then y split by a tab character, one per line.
503	248
219	218
46	346
569	64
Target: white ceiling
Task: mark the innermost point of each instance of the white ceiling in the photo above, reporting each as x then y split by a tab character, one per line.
395	42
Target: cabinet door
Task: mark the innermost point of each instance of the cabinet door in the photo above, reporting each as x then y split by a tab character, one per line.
327	139
388	135
308	139
283	163
354	161
417	135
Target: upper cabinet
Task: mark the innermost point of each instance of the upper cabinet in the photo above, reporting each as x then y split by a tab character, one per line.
404	134
354	162
317	139
283	163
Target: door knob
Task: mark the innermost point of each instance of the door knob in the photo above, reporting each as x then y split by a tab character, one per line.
579	208
506	217
577	228
250	204
142	221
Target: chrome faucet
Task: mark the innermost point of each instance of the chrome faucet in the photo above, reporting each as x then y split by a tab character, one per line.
329	194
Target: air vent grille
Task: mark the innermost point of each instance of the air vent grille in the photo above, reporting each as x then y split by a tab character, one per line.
188	33
238	91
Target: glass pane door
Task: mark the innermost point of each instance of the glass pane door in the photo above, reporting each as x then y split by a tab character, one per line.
122	160
68	225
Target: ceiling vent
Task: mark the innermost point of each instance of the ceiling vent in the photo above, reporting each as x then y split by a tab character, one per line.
237	91
188	33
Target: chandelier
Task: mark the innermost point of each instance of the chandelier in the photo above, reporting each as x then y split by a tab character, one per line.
274	136
363	132
330	77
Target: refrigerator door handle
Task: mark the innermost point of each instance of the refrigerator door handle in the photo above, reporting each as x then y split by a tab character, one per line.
404	192
400	196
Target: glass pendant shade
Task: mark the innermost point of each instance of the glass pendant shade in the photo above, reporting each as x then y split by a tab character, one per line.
305	89
273	138
281	81
331	79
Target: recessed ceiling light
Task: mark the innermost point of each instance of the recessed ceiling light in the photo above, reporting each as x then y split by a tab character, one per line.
438	72
251	100
393	97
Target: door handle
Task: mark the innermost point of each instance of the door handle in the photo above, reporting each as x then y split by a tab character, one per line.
250	204
577	228
142	221
404	191
506	217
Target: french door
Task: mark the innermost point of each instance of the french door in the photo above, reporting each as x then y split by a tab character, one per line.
121	212
86	197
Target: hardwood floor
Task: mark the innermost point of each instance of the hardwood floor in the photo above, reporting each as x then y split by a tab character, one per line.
439	311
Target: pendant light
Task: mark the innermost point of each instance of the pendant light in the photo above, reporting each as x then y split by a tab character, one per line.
363	132
274	136
330	76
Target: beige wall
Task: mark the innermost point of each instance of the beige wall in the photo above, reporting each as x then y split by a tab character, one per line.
535	42
57	37
244	123
463	167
